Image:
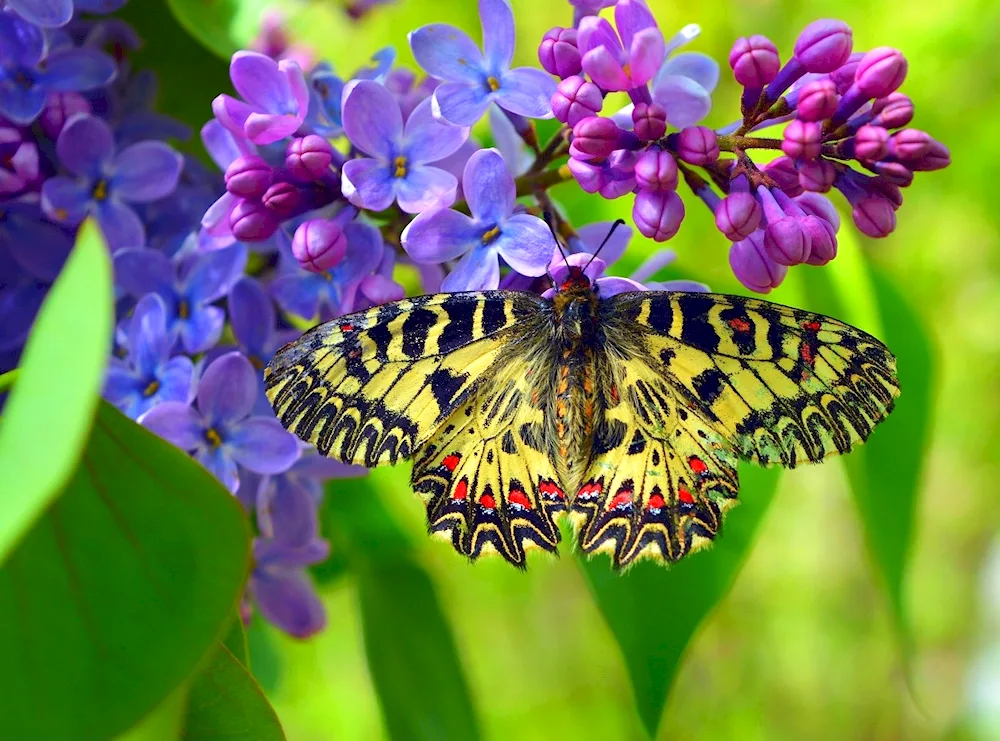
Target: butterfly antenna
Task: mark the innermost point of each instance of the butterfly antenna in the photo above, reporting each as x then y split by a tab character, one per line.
550	220
618	223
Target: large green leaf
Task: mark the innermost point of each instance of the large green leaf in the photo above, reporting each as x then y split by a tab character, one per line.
119	590
50	411
654	612
223	26
410	647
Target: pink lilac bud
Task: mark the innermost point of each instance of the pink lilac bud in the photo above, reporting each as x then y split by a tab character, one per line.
655	169
785	175
843	76
785	239
802	139
874	216
621	174
649	121
738	216
558	52
824	45
319	244
248	176
754	61
890	192
910	144
657	214
251	222
895	173
576	99
937	158
822	240
893	112
283	199
753	267
816	205
309	157
58	109
698	145
817	175
590	175
597	136
880	72
817	100
871	143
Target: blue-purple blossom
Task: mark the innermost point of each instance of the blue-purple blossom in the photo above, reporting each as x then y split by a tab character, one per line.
493	231
325	92
627	59
220	430
397	168
275	98
189	285
472	80
29	71
147	375
104	183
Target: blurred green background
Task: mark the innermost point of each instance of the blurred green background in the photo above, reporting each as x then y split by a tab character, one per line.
806	644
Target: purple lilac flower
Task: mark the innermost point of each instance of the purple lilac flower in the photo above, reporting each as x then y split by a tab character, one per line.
397	168
148	375
275	98
28	74
493	231
19	162
221	432
509	143
624	63
471	80
106	182
189	285
325	93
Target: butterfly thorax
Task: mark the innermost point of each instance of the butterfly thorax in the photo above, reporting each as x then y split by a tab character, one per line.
572	398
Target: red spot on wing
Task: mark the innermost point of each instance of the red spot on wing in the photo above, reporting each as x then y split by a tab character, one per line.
656	502
451	461
518	497
684	496
551	490
488	501
622	499
806	351
589	490
614	394
461	490
740	325
346	327
697	464
811	326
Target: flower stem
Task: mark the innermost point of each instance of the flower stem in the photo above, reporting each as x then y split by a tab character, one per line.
534	181
550	151
7	379
736	142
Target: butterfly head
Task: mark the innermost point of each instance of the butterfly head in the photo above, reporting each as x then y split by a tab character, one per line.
575	281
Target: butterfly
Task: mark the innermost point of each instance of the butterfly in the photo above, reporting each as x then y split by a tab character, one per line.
628	413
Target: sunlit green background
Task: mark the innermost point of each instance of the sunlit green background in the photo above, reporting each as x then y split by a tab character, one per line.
804	646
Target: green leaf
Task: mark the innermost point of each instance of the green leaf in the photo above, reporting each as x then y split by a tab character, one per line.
120	590
236	642
411	651
654	611
264	656
226	704
165	723
223	26
51	408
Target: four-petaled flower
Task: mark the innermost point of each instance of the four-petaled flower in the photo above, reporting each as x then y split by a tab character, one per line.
275	98
221	432
623	63
472	81
494	230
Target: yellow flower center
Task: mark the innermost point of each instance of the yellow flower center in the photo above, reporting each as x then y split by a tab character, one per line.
491	235
400	164
183	310
151	389
627	69
100	190
213	437
493	83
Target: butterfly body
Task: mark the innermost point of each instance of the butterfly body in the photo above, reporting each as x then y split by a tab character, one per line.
629	413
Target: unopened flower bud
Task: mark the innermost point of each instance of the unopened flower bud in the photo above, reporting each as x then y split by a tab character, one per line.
785	175
658	214
575	99
698	145
318	245
802	139
880	72
596	136
910	144
754	61
871	143
655	169
649	121
251	222
817	175
937	157
824	45
893	111
895	173
309	157
283	199
59	107
817	100
248	176
786	242
874	216
822	239
558	52
738	216
753	267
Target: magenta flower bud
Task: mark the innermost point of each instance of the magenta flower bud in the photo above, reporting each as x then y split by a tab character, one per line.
575	99
893	111
697	145
880	72
824	45
591	176
937	158
816	205
890	192
785	175
843	76
786	241
822	239
817	175
558	52
895	173
318	245
802	139
596	136
871	143
656	169
738	216
620	174
657	214
874	216
59	107
910	144
248	176
283	199
251	222
309	157
753	267
649	121
817	100
755	61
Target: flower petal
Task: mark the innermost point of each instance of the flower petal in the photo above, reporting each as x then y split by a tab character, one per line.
175	378
268	128
211	275
146	171
526	244
372	119
232	113
593	234
85	144
288	600
286	513
142	271
508	142
447	53
478	270
678	285
121	225
228	389
40	248
297	295
216	219
695	66
252	315
497	20
223	145
148	344
64	200
488	187
177	423
428	139
439	235
367	183
646	55
263	445
120	385
613	285
685	101
221	465
526	91
595	31
77	70
425	187
654	264
19	105
632	17
260	83
605	69
365	249
202	329
44	13
460	103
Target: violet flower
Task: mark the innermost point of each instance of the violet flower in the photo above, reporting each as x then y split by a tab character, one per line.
623	63
275	98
